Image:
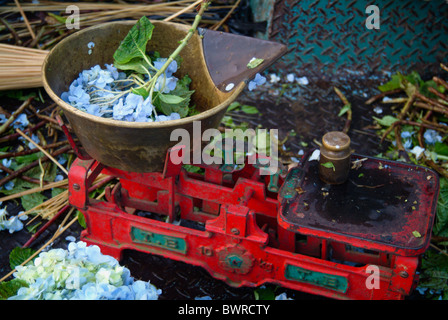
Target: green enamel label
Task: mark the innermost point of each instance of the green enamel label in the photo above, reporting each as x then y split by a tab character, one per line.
288	189
329	281
159	240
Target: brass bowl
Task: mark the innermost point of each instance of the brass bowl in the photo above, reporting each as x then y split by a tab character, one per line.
132	146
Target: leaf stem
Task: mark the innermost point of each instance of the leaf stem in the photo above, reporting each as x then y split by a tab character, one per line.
151	83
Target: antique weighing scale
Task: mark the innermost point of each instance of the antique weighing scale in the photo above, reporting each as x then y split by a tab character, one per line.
361	239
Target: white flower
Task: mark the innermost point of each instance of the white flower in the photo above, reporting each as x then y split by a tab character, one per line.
290	77
315	155
303	81
378	110
80	273
417	151
274	78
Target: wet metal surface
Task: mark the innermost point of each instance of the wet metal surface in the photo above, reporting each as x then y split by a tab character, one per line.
331	37
381	201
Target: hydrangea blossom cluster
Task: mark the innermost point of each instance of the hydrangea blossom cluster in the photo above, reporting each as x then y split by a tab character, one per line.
106	93
13	224
430	136
80	273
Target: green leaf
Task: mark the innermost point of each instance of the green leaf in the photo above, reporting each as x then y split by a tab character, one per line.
441	148
18	255
234	105
416	234
141	92
29	201
170	98
57	18
386	120
82	220
249	109
264	293
169	104
394	83
254	63
138	64
134	44
441	223
10	288
344	109
328	165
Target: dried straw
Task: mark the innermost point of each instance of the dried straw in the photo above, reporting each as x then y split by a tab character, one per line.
20	67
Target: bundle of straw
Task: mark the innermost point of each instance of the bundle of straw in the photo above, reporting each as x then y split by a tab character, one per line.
20	67
92	13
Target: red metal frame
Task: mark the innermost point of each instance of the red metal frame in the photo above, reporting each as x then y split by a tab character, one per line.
241	236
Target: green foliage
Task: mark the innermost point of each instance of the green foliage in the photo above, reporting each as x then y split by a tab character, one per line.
247	109
177	101
441	224
434	274
264	293
81	220
434	270
131	54
344	110
31	200
18	255
10	288
254	63
328	165
409	83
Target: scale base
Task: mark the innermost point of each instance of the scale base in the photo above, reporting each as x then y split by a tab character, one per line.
232	225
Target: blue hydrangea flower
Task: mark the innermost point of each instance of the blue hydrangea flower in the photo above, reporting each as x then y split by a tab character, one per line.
407	139
6	162
166	84
93	109
36	139
143	111
78	96
257	81
21	122
9	185
172	67
122	110
113	71
431	137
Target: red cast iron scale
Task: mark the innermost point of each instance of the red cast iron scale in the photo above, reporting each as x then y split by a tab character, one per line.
288	229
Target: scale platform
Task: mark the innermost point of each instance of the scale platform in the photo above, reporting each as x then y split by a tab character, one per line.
383	205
